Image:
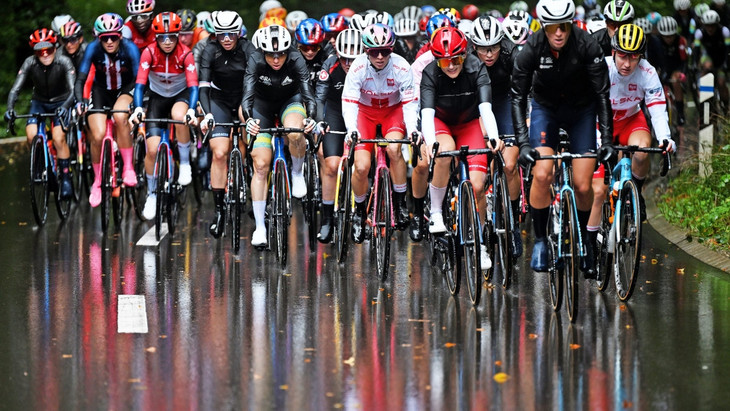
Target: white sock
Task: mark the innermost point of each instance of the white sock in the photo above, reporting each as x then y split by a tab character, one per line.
183	149
259	214
297	165
437	198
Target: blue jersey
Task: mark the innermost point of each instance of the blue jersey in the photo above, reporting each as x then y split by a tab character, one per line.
113	71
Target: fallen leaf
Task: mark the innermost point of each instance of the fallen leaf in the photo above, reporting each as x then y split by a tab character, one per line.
350	361
67	356
498	363
501	377
329	394
151	349
680	271
574	346
284	387
449	345
648	282
22	223
628	404
133	380
307	360
654	261
533	336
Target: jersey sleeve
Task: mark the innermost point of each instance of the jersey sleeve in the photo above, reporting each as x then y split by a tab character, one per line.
19	81
351	94
408	99
657	104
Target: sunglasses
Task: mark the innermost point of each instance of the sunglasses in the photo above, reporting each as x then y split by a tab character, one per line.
384	51
167	37
276	55
345	60
44	52
309	48
226	36
446	61
109	38
73	39
630	56
141	17
489	50
564	27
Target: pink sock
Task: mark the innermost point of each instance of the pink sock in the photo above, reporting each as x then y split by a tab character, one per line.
127	154
97	174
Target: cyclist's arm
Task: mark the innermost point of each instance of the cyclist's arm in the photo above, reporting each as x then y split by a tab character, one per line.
146	62
68	68
204	75
249	85
598	74
428	106
522	72
409	101
83	72
191	77
322	86
484	86
19	82
656	103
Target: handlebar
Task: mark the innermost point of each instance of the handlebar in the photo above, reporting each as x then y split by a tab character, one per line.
39	116
666	157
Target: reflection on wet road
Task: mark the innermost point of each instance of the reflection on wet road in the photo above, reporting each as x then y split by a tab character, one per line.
228	332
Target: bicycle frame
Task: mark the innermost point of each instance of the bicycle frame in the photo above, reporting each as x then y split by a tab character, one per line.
562	185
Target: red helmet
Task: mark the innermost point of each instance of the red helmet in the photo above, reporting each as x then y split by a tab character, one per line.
470	12
422	23
347	12
448	42
41	36
166	22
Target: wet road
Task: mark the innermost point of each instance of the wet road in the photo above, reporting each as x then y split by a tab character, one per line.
233	332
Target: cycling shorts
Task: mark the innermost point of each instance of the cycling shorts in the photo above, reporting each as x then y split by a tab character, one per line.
333	144
622	129
45	108
466	134
224	111
161	107
101	97
579	122
502	109
389	118
269	111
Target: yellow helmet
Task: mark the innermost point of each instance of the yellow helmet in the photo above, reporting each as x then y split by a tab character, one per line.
272	21
629	38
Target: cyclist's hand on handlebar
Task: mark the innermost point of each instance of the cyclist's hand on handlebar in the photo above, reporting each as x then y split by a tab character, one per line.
321	128
10	115
308	125
496	144
61	113
207	123
426	151
137	116
350	137
191	117
668	145
417	138
528	156
81	108
607	153
252	126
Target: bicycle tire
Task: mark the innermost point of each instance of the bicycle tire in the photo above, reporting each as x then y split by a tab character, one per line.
383	225
175	201
106	183
628	243
470	234
63	207
448	212
309	202
281	213
233	203
343	210
604	265
504	227
161	191
139	193
87	169
73	162
39	188
118	192
570	255
555	273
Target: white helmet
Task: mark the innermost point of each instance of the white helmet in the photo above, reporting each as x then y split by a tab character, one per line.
710	17
226	21
412	12
358	22
202	17
516	30
465	26
595	24
59	21
272	39
398	16
294	18
644	23
405	28
487	31
519	5
268	5
682	4
555	11
618	10
349	43
667	26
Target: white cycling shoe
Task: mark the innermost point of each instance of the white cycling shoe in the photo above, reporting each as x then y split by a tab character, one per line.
486	261
298	185
436	224
150	208
185	175
258	239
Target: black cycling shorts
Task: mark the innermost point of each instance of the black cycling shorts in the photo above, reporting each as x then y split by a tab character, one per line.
333	144
101	97
161	107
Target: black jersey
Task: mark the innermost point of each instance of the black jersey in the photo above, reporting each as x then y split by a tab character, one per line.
330	81
224	71
77	57
500	73
51	84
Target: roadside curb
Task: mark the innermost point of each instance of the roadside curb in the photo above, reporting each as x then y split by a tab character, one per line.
12	140
676	235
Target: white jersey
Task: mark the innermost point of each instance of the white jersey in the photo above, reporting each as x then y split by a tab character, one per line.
627	92
417	67
391	86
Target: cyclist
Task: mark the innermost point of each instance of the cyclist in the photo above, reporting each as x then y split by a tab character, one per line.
456	100
616	13
276	84
333	24
565	70
115	61
72	40
498	55
53	78
293	19
330	82
711	44
435	22
407	44
313	47
670	61
169	67
686	19
379	90
207	25
137	28
189	31
516	29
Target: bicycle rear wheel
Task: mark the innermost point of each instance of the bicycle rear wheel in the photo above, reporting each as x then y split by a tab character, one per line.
343	210
628	243
310	202
235	188
451	266
106	183
604	265
555	272
161	192
118	192
470	234
570	252
39	190
281	213
503	227
383	226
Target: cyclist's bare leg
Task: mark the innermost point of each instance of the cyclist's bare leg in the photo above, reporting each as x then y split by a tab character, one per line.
640	161
397	162
220	147
511	171
583	182
542	177
97	129
297	142
31	130
360	173
149	159
123	129
261	158
59	141
478	179
329	178
599	195
419	178
182	132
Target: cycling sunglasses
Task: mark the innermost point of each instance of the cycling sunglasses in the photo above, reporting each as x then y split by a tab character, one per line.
384	51
72	39
141	17
44	52
276	55
345	60
446	61
226	36
484	50
309	48
109	38
614	24
630	56
564	27
166	37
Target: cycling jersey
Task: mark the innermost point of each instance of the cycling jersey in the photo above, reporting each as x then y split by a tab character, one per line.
714	47
627	92
221	72
51	84
265	83
140	40
401	48
315	65
500	73
604	40
330	81
113	71
168	74
668	58
391	86
417	70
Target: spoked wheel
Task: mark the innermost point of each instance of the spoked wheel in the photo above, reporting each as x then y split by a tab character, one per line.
628	246
383	227
453	273
503	227
39	189
470	234
87	169
118	192
162	190
281	214
138	195
604	265
555	268
74	167
343	210
174	205
570	253
310	203
106	183
235	201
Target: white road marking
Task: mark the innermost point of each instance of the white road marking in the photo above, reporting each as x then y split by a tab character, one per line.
131	314
149	239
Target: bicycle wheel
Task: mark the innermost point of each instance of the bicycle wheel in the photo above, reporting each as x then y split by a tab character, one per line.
310	202
139	193
87	169
162	187
604	265
281	213
503	227
118	192
235	188
570	252
470	233
628	243
74	168
175	201
383	226
106	183
343	210
555	273
39	190
451	269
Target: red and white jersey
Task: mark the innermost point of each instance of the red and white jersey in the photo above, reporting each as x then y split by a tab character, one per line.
627	92
168	74
364	85
417	68
140	40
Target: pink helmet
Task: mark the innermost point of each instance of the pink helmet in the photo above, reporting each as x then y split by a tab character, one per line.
140	6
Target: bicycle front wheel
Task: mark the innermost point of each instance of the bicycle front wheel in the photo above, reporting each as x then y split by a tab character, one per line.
39	190
555	271
383	225
628	240
235	188
570	252
503	226
450	260
139	193
162	188
74	168
281	213
118	191
106	182
343	210
604	265
469	234
310	201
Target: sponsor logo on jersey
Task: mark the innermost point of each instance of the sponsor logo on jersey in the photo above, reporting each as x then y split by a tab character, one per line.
339	85
145	65
323	75
391	82
546	62
632	87
265	80
190	68
286	81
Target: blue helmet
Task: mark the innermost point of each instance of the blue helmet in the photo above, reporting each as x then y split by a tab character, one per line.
309	32
437	21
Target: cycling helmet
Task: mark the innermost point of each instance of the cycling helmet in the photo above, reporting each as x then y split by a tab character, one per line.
519	5
700	9
347	12
710	17
42	38
333	23
580	13
644	24
555	11
140	6
108	23
59	21
272	39
470	12
654	18
629	38
437	21
268	5
405	28
279	12
166	22
596	23
70	29
718	2
448	42
450	13
271	21
412	13
349	43
618	10
378	35
189	19
398	17
682	4
428	10
207	23
494	13
293	19
244	31
465	26
487	31
226	22
383	18
519	15
202	17
667	26
357	22
516	30
309	32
